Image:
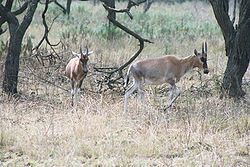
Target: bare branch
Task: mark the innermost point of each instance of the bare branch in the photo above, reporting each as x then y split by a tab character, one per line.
116	23
148	5
7	15
114	74
21	9
140	39
61	6
46	29
45	80
126	10
8	7
2	31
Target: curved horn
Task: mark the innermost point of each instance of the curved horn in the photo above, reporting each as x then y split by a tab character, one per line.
80	50
205	47
87	50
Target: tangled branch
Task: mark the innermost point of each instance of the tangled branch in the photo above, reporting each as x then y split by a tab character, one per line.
46	28
113	75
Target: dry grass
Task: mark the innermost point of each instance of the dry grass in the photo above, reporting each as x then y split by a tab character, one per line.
40	128
39	131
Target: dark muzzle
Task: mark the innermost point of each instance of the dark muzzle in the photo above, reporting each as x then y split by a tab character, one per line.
204	60
206	71
85	70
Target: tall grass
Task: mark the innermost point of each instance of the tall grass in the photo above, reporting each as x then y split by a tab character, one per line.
43	132
40	128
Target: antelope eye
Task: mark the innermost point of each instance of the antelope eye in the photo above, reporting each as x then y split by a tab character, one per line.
203	59
84	59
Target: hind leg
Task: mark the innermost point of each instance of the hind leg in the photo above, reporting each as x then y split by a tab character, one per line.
141	95
72	92
133	87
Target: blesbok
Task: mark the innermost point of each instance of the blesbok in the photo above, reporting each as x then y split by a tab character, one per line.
167	69
77	70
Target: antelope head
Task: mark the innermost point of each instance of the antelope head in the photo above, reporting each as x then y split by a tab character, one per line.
83	58
202	58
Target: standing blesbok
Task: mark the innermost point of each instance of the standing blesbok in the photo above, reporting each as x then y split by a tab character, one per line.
167	69
77	70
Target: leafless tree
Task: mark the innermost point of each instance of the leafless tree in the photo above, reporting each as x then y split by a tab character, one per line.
17	30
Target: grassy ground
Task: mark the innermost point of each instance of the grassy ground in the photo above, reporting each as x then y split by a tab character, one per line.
38	131
40	128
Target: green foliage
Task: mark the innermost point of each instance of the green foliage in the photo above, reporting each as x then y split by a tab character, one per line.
105	31
173	25
165	24
171	1
156	24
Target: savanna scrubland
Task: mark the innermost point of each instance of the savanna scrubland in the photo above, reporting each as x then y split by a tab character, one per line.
41	128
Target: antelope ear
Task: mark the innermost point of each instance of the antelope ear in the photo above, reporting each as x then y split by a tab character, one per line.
76	54
89	53
195	52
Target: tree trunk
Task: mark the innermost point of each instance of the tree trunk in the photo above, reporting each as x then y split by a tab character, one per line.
111	3
111	14
12	62
68	6
237	44
238	62
17	32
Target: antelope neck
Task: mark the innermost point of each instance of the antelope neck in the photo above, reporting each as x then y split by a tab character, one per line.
186	64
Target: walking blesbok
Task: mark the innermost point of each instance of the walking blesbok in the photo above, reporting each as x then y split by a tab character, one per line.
76	71
167	69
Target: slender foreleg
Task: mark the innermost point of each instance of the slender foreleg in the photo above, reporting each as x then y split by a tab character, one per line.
173	90
172	99
177	92
81	81
80	84
77	89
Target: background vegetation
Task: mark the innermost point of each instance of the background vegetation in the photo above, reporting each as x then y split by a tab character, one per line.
40	128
